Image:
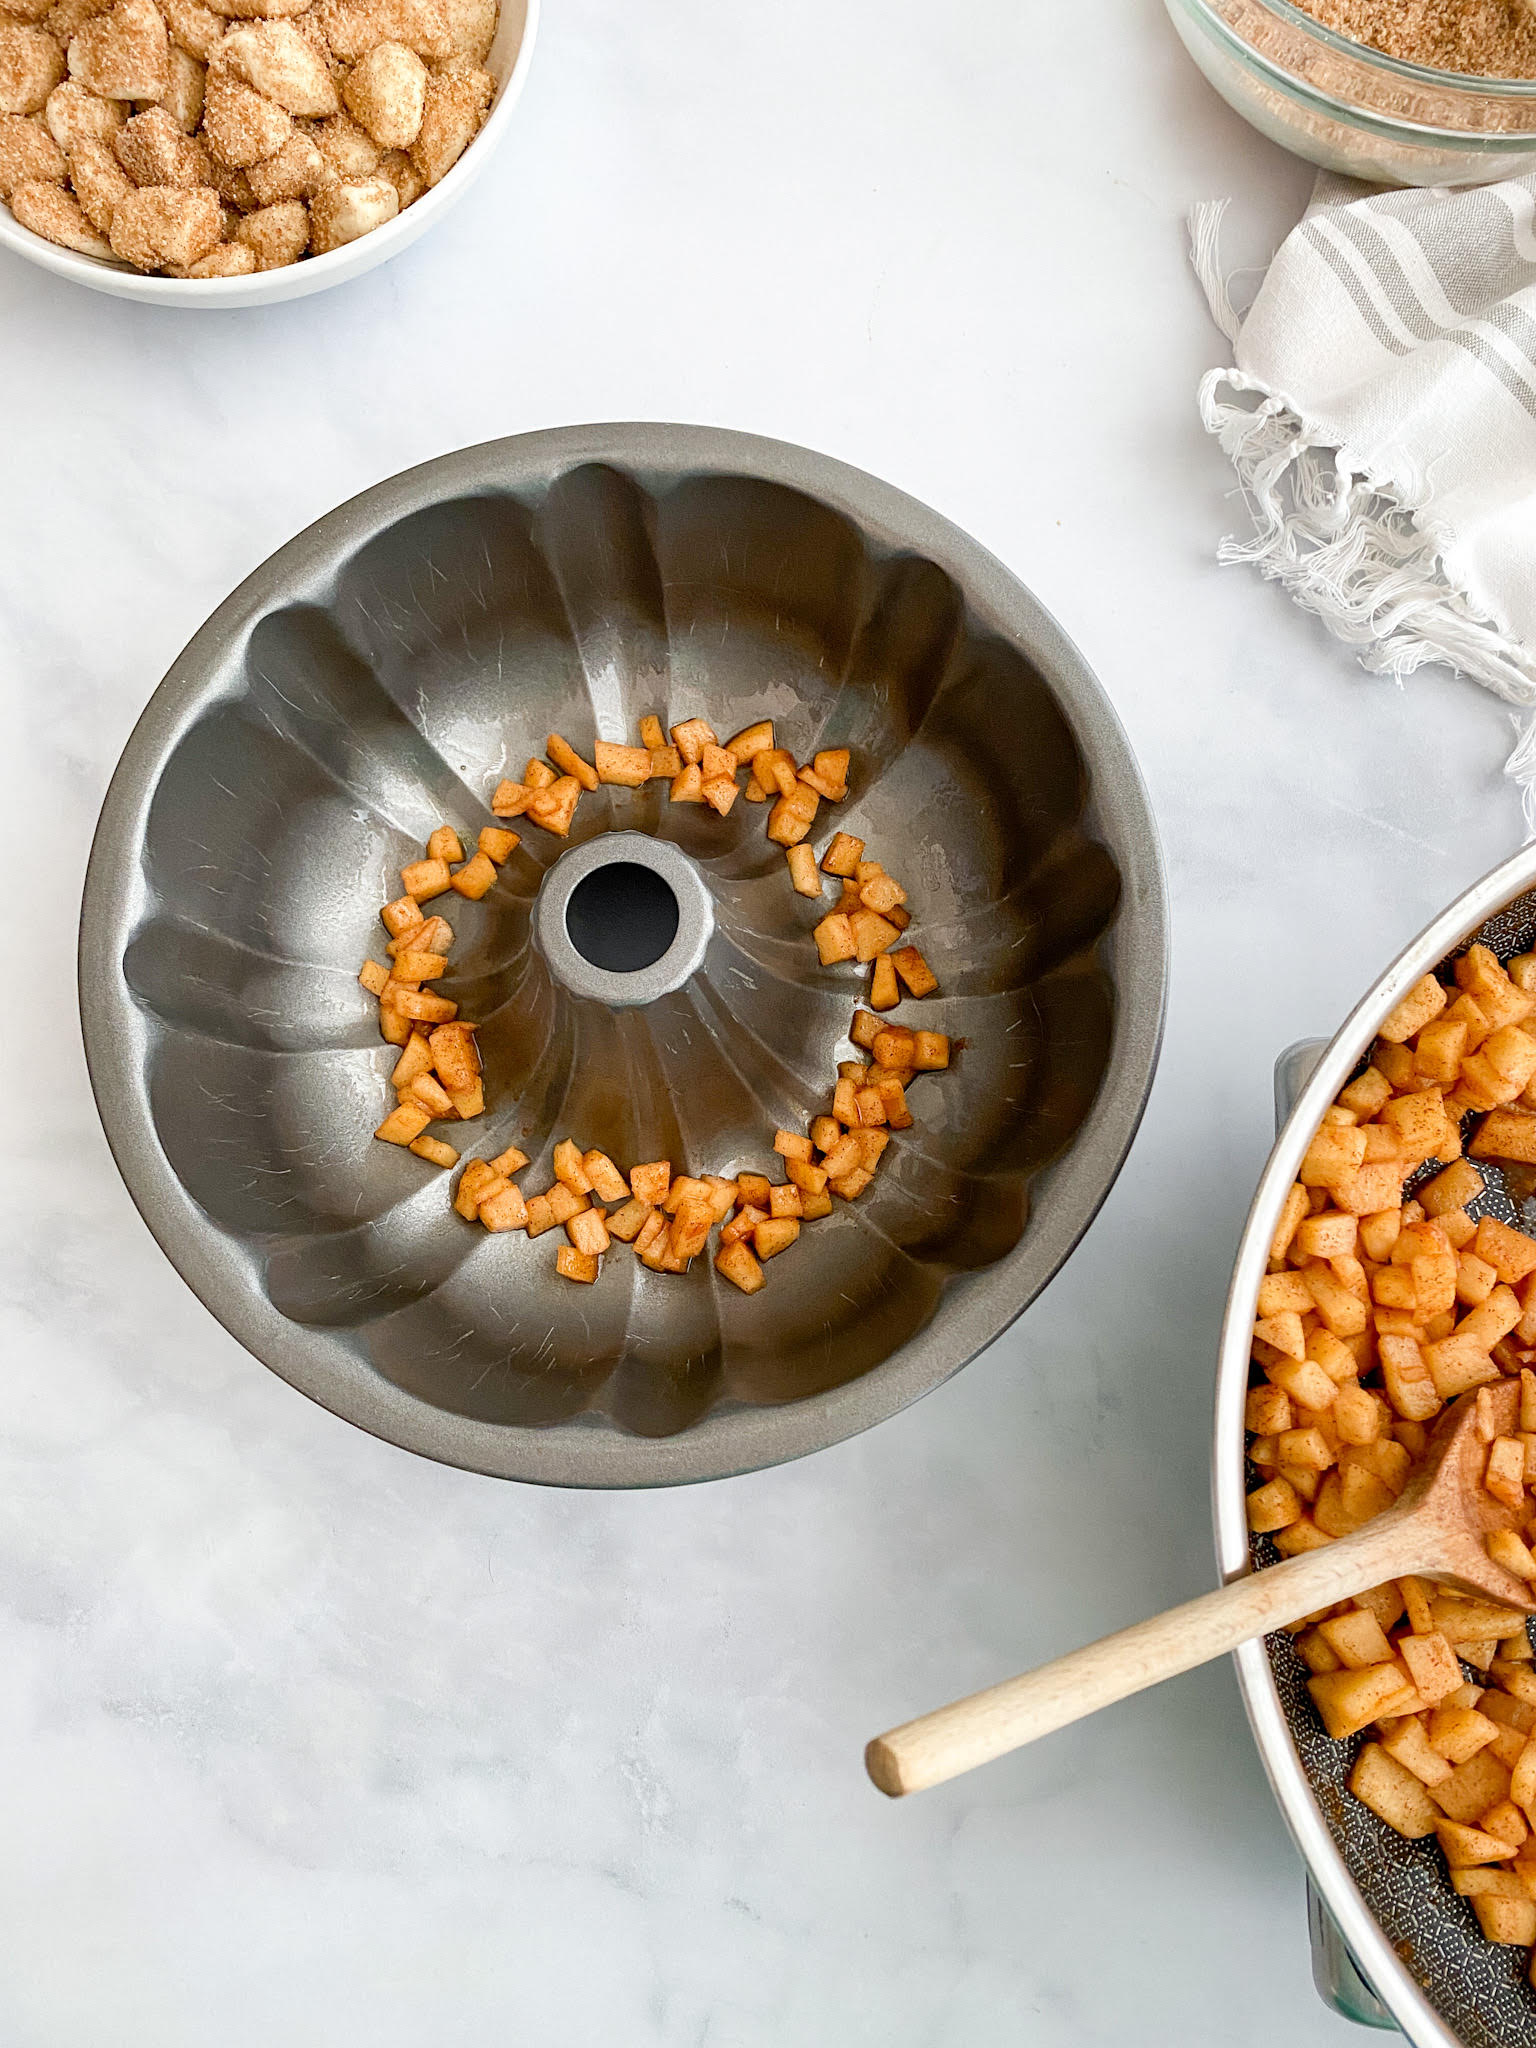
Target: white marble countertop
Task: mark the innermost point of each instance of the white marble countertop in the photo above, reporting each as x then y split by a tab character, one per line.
304	1741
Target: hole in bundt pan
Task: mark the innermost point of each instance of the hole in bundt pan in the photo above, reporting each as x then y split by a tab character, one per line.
622	917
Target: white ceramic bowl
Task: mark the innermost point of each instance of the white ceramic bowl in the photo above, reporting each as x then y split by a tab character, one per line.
511	54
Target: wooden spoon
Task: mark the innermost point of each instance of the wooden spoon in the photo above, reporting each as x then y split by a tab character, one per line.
1436	1530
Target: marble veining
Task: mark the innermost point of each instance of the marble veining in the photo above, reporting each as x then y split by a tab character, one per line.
305	1741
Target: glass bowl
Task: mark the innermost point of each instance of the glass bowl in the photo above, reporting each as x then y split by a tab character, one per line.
1351	109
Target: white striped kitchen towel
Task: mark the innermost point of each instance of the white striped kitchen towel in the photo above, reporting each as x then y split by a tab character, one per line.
1381	416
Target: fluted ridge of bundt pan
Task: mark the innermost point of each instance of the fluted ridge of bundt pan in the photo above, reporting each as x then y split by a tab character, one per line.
378	676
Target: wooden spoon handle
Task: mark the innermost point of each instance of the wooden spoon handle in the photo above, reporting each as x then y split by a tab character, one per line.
973	1731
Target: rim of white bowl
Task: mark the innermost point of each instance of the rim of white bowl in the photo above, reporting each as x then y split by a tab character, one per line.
314	273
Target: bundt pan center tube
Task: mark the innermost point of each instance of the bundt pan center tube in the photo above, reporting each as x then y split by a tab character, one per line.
649	986
607	951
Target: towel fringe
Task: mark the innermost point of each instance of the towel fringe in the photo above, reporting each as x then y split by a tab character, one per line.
1204	225
1350	551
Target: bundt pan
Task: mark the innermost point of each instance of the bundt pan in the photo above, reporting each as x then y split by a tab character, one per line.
378	676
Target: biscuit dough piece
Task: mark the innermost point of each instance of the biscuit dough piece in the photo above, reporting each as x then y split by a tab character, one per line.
28	154
276	235
282	64
31	65
163	224
242	127
354	27
230	259
183	95
153	151
455	107
386	93
72	112
101	184
124	54
344	212
48	210
194	28
298	171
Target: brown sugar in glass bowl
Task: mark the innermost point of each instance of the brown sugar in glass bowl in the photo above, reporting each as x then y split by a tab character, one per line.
1339	86
1479	38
